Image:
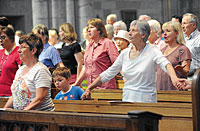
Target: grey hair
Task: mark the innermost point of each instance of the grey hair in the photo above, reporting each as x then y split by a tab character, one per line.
112	16
155	25
109	29
193	19
146	17
143	28
121	24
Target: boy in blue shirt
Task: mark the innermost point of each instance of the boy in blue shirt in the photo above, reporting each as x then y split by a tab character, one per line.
61	77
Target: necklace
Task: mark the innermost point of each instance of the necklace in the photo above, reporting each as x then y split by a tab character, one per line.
3	60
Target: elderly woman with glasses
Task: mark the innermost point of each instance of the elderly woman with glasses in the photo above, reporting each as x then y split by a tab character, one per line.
138	64
9	60
32	84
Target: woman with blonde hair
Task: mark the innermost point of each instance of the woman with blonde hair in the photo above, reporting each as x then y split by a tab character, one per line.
176	52
70	52
99	55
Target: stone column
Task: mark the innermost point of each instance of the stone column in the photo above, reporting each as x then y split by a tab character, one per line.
166	10
70	11
58	12
40	12
85	13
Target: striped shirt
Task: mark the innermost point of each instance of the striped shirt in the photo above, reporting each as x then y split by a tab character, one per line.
24	87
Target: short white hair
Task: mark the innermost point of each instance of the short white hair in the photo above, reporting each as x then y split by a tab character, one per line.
193	18
146	17
155	25
112	16
121	24
109	29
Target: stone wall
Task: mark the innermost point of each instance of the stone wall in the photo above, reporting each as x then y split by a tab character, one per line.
19	13
24	14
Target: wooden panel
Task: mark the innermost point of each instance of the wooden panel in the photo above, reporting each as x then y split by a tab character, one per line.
54	121
175	124
196	100
166	109
163	96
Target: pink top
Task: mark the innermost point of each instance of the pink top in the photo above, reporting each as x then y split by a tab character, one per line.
98	59
160	43
8	65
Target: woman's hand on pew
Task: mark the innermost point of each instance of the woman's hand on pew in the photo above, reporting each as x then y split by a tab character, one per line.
186	84
8	108
86	95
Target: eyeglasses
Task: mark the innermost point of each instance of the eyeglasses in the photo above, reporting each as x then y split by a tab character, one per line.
2	37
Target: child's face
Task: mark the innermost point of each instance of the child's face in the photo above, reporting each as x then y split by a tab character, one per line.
60	82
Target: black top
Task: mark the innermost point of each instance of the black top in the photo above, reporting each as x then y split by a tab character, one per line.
68	58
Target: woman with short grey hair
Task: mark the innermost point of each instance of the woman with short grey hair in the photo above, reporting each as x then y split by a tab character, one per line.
119	25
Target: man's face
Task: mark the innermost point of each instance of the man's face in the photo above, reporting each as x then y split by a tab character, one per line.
187	27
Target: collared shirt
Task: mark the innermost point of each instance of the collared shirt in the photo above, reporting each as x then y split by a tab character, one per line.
97	59
193	44
49	56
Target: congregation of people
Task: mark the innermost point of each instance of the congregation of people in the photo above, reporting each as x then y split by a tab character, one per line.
149	56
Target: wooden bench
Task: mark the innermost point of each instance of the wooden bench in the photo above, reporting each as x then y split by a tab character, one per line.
62	121
162	96
175	115
179	115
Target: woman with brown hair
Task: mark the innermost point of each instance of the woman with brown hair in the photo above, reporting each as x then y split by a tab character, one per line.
9	60
99	55
32	84
70	52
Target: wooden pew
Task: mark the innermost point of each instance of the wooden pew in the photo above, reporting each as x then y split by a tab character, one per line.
175	115
60	121
196	100
163	96
176	108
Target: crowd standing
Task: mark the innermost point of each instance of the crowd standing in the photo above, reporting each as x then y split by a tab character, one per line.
148	58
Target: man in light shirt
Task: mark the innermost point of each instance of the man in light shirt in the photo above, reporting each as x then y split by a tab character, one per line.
190	25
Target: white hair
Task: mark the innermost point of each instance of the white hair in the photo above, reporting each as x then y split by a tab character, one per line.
112	16
121	24
144	16
155	25
109	29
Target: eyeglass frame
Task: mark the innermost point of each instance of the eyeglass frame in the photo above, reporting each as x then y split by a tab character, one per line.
3	37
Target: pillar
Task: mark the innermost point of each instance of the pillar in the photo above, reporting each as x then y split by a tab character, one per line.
58	12
85	13
40	12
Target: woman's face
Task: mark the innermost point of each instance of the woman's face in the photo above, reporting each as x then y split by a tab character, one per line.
153	36
121	43
170	35
61	33
4	40
24	52
116	29
93	32
134	35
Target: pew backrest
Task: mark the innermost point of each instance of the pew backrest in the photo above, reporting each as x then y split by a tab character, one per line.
162	96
